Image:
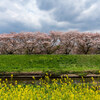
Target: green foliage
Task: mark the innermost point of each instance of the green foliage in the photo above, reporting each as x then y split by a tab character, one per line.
55	63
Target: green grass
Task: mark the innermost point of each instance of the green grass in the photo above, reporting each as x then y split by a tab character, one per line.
54	63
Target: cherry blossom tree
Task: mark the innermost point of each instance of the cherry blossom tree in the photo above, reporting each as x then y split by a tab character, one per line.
7	44
68	41
72	42
86	42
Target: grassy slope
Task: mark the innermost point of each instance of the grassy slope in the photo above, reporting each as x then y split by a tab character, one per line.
62	63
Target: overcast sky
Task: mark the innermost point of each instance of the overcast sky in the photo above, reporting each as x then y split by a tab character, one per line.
47	15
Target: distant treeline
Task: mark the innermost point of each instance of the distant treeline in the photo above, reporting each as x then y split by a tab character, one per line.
72	42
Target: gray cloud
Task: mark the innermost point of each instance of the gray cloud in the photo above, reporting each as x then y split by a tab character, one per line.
82	15
46	4
46	15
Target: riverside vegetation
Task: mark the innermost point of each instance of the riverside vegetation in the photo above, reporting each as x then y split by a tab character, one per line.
23	45
57	89
54	63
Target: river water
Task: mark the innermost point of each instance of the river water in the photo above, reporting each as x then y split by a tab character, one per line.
36	81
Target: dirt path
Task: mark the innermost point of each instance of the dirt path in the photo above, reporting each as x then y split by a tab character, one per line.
42	75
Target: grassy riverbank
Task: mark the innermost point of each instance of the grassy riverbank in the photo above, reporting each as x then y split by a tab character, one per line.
54	63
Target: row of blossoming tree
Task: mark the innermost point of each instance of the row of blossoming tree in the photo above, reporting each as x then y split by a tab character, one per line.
72	42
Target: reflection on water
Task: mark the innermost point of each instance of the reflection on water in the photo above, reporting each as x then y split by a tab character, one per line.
37	80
